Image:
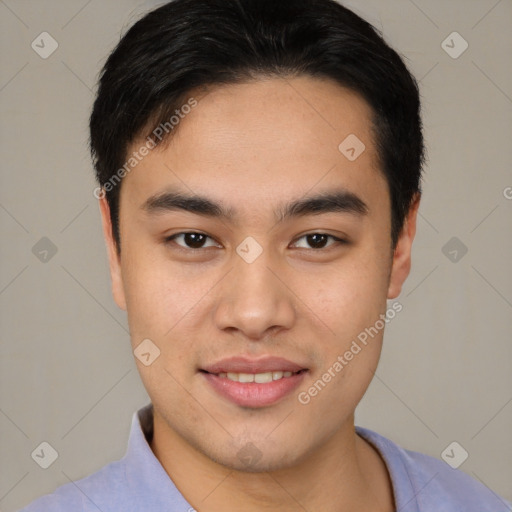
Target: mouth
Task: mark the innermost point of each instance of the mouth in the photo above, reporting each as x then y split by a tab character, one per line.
259	378
254	383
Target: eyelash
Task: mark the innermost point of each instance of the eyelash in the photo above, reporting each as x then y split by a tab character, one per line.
170	239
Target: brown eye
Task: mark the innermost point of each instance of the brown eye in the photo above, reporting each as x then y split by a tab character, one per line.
190	240
319	240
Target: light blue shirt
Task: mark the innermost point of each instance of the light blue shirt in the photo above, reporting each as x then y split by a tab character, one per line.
139	483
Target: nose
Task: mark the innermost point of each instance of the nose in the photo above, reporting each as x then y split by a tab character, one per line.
255	299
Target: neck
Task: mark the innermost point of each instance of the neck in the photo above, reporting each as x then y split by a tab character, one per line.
344	473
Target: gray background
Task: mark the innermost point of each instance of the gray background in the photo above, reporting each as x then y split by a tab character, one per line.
67	373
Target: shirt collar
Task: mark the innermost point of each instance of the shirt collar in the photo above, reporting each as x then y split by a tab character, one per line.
393	457
145	476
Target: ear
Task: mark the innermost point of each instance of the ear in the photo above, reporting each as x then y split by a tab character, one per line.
113	258
401	265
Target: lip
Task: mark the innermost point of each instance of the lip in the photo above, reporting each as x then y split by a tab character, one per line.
246	365
253	394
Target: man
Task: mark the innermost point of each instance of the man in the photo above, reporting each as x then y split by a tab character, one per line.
259	168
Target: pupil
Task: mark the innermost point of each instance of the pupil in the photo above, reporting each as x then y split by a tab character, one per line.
317	243
192	240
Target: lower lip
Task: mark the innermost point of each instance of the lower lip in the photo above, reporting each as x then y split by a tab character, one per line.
253	394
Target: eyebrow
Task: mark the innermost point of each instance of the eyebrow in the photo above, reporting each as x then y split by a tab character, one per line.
339	200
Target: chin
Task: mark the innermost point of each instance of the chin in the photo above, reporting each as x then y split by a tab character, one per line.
256	457
276	462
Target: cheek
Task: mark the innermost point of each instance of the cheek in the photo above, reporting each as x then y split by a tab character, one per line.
349	295
349	301
348	355
336	391
164	302
155	302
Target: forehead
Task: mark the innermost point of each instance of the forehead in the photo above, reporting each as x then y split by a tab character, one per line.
264	141
272	118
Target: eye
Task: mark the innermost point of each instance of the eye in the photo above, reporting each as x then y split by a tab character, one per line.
319	240
191	239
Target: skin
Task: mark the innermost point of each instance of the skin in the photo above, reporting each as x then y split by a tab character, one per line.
253	147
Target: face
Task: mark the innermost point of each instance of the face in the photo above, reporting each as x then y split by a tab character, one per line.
255	313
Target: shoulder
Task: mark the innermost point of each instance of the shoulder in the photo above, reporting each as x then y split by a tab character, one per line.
438	483
134	483
97	491
431	483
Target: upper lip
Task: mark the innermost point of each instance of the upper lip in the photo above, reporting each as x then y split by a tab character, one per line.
247	365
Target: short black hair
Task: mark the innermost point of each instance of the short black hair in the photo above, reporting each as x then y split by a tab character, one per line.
188	45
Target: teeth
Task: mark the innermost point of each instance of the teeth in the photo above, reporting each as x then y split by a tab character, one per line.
263	377
259	378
